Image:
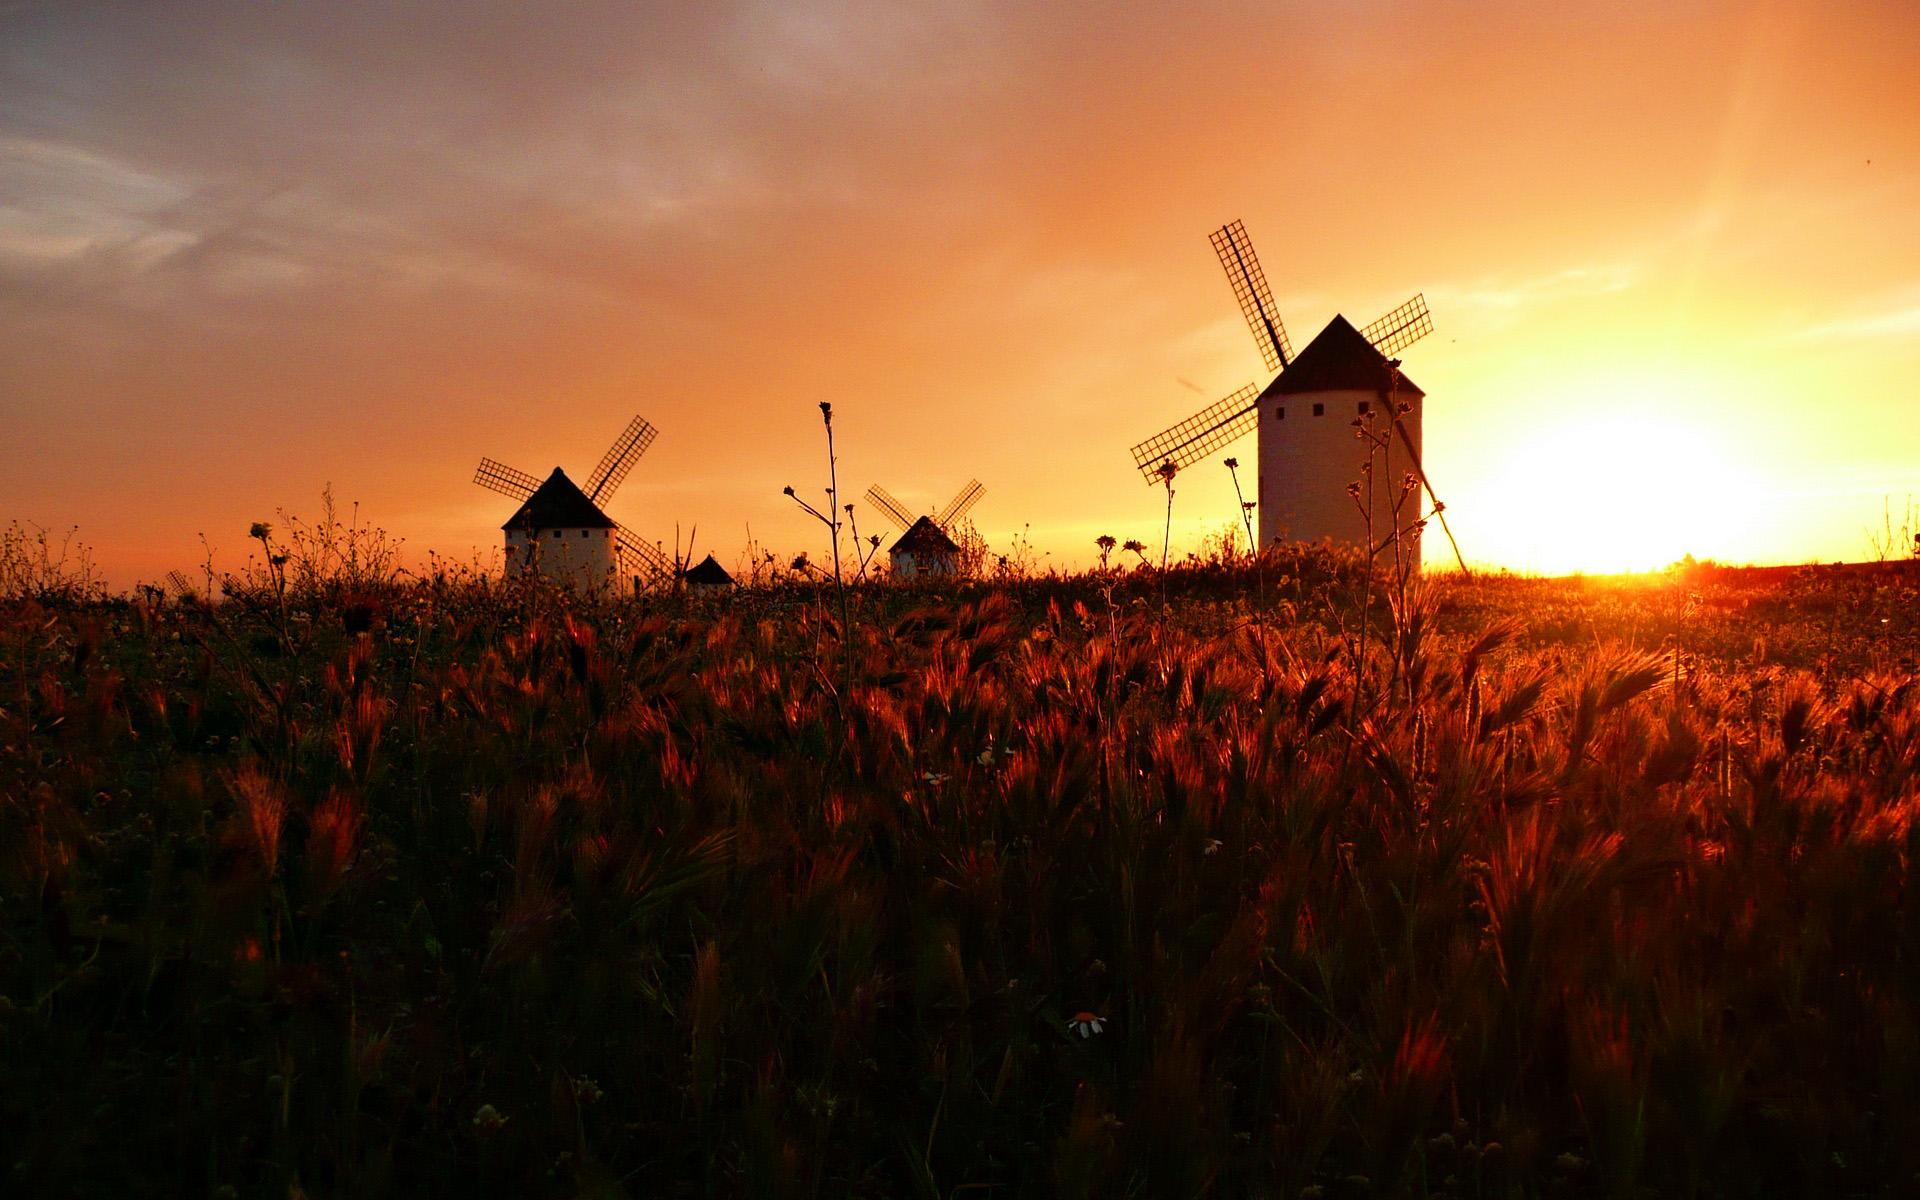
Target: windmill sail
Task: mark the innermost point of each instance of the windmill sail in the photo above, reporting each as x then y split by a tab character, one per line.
1199	435
896	512
640	558
960	505
1400	328
1250	288
619	459
505	480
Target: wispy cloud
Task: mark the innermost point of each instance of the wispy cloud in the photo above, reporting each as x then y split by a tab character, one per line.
1505	297
1898	315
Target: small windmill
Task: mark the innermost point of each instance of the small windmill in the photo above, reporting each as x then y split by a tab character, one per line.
927	547
561	530
1306	464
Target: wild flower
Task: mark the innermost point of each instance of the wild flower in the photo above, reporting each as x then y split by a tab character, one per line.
262	810
331	834
1086	1024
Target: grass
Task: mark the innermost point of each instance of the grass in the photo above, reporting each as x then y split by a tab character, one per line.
1585	888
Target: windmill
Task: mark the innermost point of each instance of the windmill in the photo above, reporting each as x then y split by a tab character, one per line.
561	531
1306	463
927	547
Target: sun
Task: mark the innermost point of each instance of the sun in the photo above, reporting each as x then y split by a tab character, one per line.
1598	486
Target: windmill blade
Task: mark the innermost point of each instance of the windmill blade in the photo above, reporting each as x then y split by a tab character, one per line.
638	557
244	590
179	584
1250	288
619	459
505	480
1199	435
896	512
1400	328
962	502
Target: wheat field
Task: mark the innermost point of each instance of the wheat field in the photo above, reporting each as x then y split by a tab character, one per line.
1232	880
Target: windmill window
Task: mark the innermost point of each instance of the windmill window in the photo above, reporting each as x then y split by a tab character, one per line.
1366	406
583	533
1319	410
556	533
1279	414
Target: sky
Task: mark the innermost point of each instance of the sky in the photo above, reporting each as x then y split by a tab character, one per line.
248	252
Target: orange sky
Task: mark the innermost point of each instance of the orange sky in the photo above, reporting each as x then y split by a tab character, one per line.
246	250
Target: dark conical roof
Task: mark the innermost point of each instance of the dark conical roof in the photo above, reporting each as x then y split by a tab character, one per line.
707	572
558	504
1340	359
924	537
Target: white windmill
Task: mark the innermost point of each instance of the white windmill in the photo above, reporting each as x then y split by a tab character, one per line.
561	531
1307	449
927	545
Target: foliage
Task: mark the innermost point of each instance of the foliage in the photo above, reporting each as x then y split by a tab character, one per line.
34	565
1899	534
1041	887
328	561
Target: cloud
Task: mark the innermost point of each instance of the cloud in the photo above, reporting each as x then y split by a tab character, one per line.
1898	318
235	150
1496	297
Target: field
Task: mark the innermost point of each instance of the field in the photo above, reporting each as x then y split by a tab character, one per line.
1502	887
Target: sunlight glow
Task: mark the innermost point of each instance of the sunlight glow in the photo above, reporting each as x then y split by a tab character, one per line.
1611	489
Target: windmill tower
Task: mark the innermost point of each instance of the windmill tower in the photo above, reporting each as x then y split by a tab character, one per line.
1308	451
560	529
927	547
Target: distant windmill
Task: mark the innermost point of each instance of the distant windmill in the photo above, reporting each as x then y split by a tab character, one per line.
182	590
1307	462
708	576
927	547
561	531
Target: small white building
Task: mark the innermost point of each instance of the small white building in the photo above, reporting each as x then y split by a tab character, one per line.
564	536
924	549
1309	451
